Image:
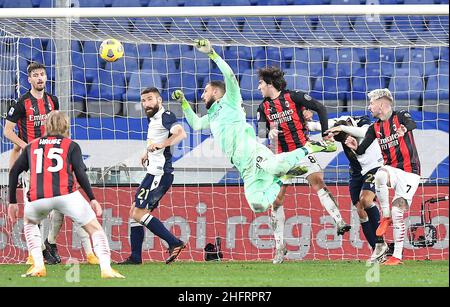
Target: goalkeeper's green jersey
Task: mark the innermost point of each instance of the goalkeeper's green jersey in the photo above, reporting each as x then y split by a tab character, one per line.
226	120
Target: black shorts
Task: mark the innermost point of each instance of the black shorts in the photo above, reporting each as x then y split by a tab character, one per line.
360	182
151	190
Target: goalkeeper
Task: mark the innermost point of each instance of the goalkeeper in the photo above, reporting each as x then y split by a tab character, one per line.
259	167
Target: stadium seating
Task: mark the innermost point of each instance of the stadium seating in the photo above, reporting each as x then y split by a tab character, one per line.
249	85
140	80
297	80
107	86
406	84
365	80
437	87
330	86
17	3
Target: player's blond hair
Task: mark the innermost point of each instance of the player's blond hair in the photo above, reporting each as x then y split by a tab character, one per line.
57	123
380	93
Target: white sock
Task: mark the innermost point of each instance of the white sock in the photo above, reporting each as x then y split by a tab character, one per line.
101	248
381	189
85	240
56	220
34	240
279	220
398	223
328	202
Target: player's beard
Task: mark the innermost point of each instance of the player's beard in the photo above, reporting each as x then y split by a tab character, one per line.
40	87
150	112
210	103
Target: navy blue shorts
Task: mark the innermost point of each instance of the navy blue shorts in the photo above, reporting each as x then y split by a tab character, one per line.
360	182
151	190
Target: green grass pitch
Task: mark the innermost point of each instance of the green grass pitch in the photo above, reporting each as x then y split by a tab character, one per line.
240	274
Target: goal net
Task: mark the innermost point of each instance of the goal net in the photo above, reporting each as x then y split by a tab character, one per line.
335	53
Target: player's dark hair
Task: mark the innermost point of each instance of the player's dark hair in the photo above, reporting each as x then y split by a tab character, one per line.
151	90
341	136
33	66
218	84
273	75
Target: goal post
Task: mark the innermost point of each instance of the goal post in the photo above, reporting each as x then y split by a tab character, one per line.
335	53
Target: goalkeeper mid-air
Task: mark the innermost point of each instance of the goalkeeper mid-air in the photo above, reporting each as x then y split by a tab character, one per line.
259	167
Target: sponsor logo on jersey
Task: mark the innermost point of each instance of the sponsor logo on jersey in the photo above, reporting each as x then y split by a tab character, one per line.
11	111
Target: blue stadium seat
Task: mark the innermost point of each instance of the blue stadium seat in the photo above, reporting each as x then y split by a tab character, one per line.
297	80
92	64
31	48
188	82
249	85
407	28
345	60
7	85
224	27
108	85
369	30
199	3
343	2
234	2
421	59
269	56
437	88
89	3
309	59
164	3
140	80
159	62
418	1
364	81
334	27
79	84
127	3
298	27
257	27
238	57
330	87
17	3
406	84
303	2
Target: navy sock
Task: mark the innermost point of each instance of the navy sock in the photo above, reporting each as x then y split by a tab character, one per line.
374	217
136	240
369	233
155	226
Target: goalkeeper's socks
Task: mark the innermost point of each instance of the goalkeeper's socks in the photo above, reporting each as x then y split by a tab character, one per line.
369	233
33	238
158	228
374	216
136	240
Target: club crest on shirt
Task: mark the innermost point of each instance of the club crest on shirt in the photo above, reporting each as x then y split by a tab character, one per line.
307	97
287	104
11	111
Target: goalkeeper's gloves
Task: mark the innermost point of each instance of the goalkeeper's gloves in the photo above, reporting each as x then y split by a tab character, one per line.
204	46
178	95
273	133
314	146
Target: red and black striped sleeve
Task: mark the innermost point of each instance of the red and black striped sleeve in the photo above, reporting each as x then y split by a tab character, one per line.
304	100
367	141
79	169
16	112
19	166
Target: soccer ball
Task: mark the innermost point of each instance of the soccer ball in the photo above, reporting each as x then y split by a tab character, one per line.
111	50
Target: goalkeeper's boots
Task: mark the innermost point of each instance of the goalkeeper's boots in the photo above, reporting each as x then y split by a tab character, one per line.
174	252
130	260
280	253
319	146
111	273
92	259
379	253
343	228
392	261
296	171
384	224
53	250
35	272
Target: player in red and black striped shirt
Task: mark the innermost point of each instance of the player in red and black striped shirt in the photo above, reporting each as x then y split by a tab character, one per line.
282	114
401	169
30	111
55	163
29	114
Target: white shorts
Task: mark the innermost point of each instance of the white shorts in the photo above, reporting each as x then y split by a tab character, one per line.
73	205
312	165
404	184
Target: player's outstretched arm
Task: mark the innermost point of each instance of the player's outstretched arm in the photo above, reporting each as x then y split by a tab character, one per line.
194	121
232	89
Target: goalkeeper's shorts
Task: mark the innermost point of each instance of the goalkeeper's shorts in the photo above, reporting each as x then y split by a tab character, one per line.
151	190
